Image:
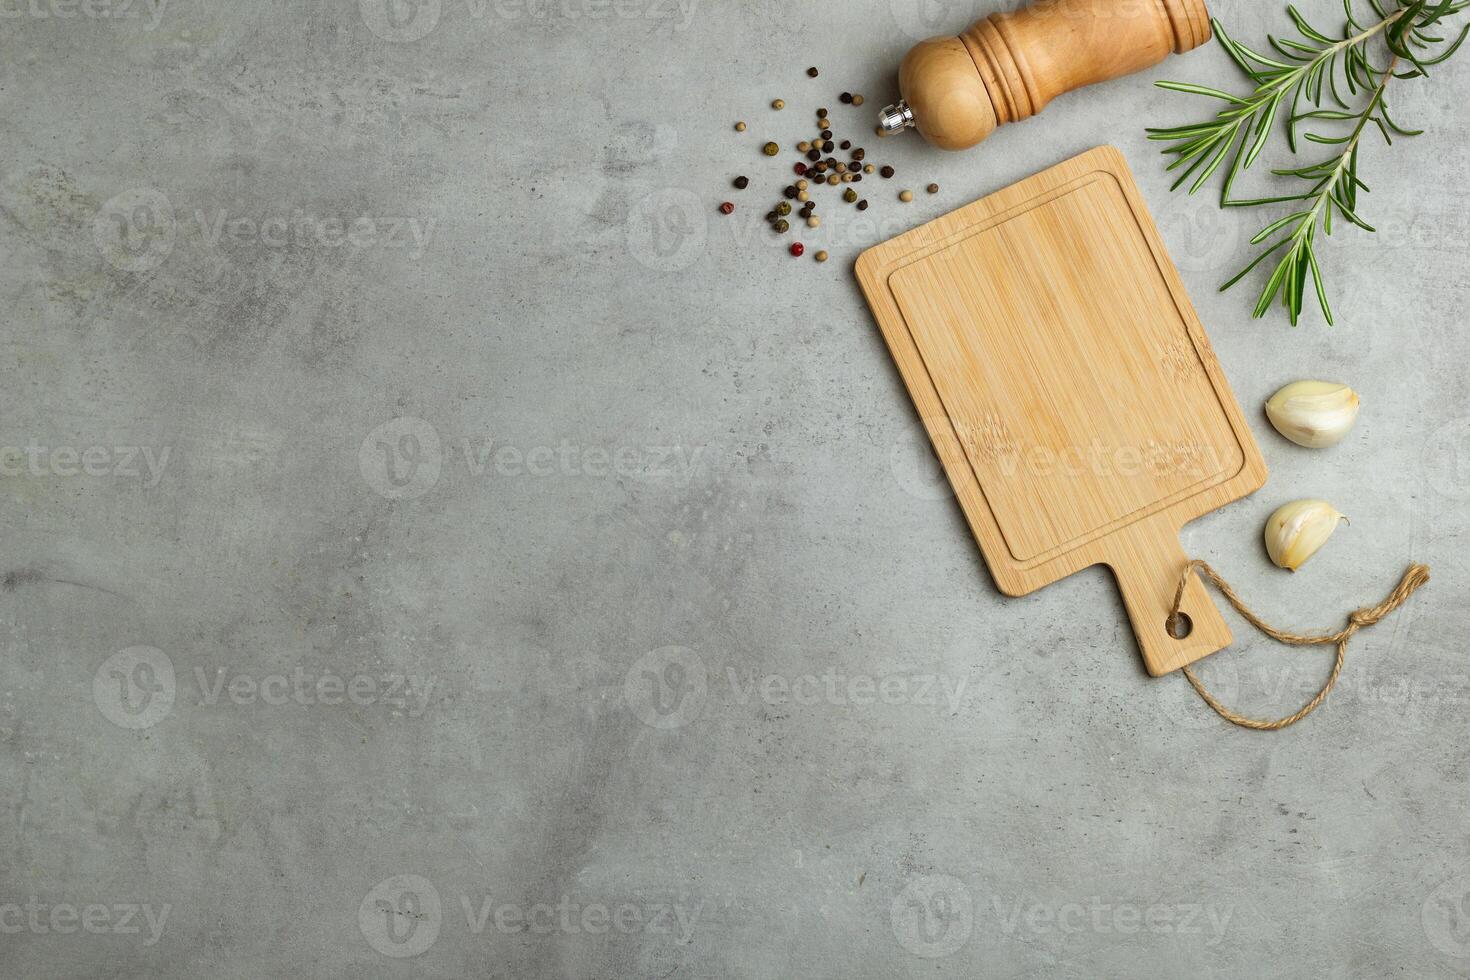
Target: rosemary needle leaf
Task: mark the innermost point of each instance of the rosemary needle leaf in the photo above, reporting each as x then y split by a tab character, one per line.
1316	66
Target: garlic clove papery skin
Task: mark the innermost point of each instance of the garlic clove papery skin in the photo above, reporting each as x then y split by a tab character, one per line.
1296	530
1315	414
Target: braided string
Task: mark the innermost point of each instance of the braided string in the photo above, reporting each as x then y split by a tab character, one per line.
1415	576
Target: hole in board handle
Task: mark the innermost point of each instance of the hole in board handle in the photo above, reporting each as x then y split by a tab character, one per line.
1179	626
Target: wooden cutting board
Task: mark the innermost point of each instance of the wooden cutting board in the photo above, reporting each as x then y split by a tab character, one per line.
1069	389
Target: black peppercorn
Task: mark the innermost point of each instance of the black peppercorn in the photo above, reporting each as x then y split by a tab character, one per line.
814	154
845	98
783	208
821	113
862	205
790	192
886	171
782	225
859	153
826	134
812	72
845	144
742	182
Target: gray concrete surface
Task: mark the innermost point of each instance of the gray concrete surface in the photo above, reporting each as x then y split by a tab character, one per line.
437	544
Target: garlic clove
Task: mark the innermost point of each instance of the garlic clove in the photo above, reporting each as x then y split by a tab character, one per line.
1296	530
1315	414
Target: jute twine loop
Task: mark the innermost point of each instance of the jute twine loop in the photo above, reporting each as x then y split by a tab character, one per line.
1415	576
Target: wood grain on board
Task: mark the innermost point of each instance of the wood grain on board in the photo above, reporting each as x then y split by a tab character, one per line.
1068	388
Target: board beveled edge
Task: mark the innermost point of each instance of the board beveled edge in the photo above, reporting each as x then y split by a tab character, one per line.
872	269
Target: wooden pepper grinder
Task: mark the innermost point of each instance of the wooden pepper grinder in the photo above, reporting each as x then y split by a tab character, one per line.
1008	66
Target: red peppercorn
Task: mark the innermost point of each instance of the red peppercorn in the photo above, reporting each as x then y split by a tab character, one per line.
727	208
800	169
797	248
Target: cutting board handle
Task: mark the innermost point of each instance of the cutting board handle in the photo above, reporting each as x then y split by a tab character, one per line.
1147	562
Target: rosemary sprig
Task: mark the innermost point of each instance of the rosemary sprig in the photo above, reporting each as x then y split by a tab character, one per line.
1309	69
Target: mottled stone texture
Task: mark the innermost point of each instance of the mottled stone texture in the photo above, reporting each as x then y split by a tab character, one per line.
438	543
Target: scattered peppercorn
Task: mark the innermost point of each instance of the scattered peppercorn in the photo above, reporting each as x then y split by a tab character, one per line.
862	205
845	98
789	191
778	104
797	248
814	155
742	182
811	72
770	149
826	133
821	255
783	208
802	196
813	221
886	172
821	113
859	153
867	168
803	146
905	196
782	226
834	179
798	168
880	132
845	145
740	127
933	188
857	100
849	195
727	208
